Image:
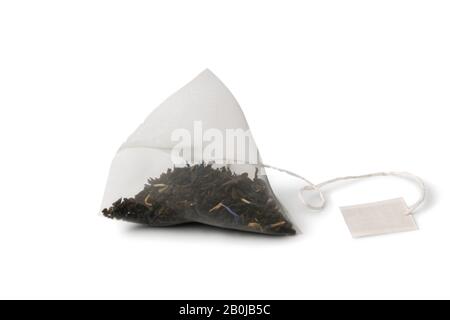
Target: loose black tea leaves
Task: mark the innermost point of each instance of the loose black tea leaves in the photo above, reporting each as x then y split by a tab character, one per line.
205	194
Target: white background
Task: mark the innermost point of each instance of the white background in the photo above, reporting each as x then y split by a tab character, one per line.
328	87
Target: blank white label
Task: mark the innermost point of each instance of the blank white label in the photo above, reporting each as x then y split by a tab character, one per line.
377	218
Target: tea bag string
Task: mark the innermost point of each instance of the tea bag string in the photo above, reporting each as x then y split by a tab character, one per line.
319	187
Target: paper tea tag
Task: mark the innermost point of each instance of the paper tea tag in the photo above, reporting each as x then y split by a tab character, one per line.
377	218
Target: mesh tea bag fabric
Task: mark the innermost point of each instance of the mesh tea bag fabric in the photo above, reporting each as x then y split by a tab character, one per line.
194	160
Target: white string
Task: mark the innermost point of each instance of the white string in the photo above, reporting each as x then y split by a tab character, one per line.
405	175
318	187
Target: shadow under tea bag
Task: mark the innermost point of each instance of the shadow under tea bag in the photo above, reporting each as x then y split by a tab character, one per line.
194	160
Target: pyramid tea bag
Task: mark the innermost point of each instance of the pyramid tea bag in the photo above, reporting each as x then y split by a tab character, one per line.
194	160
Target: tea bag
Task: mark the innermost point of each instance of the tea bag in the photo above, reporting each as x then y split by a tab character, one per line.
194	160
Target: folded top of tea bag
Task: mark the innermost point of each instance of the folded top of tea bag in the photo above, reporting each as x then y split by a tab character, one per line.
204	99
